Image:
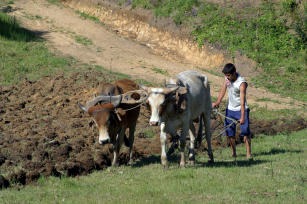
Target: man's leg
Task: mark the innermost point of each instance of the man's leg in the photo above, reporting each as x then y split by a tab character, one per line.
247	135
232	142
248	145
231	130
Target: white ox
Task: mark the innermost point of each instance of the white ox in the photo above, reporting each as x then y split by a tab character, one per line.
175	108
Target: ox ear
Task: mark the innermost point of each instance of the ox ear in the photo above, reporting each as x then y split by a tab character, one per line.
182	104
181	99
182	90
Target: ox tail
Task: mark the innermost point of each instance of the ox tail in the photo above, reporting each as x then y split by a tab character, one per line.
126	141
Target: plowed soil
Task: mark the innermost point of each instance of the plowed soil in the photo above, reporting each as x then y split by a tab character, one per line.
42	130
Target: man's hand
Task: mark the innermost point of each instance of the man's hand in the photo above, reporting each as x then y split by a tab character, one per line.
241	121
215	105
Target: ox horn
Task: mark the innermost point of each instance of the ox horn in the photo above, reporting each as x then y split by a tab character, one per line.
115	100
172	82
145	88
169	90
82	107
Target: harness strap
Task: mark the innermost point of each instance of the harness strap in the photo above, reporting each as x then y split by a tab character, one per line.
133	107
117	114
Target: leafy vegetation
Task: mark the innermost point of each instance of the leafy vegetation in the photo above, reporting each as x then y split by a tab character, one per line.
273	34
277	175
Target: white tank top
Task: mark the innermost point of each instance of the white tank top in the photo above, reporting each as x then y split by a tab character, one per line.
234	93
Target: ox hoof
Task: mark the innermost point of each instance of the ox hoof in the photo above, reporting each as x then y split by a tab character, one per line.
165	167
191	162
164	160
211	161
115	164
197	145
130	163
164	164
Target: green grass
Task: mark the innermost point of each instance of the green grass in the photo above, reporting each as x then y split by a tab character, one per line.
83	40
10	29
160	71
6	2
32	60
87	16
273	34
55	2
277	175
149	132
23	54
265	114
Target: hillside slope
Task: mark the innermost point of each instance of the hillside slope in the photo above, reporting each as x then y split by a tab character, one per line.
61	25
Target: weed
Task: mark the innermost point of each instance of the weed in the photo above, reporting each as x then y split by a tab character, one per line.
87	16
83	40
160	71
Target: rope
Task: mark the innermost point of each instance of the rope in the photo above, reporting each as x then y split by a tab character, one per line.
133	107
224	129
215	112
141	101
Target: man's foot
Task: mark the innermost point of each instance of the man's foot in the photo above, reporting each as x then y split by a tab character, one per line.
249	157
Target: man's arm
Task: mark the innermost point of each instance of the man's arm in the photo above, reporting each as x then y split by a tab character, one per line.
243	87
221	95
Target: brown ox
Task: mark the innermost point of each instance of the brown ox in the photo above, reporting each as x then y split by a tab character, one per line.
114	112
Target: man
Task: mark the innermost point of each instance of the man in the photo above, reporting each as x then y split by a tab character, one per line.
237	109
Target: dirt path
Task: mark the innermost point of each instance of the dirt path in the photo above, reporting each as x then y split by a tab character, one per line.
61	25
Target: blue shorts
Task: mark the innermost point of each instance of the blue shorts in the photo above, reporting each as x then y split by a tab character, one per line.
236	115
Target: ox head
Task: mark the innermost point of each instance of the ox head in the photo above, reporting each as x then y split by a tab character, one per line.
165	100
107	114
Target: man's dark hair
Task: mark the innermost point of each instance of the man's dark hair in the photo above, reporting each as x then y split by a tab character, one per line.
229	69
